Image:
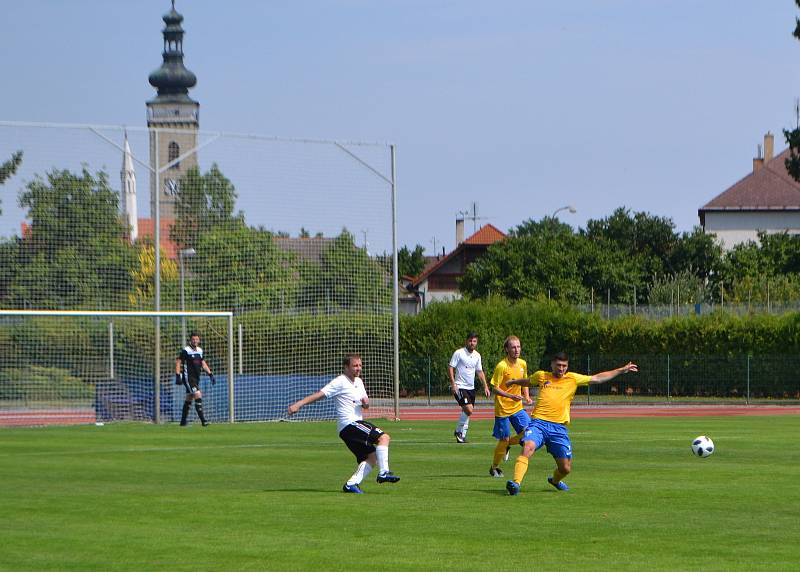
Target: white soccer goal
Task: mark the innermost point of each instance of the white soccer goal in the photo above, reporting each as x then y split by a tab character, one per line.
72	367
63	367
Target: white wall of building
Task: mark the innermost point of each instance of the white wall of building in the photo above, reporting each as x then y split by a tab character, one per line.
734	227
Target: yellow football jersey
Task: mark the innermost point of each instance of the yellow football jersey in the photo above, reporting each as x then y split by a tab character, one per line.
503	372
556	394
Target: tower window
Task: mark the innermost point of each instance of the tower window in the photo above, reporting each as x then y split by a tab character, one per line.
174	152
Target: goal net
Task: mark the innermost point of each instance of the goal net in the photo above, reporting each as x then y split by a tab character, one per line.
295	238
66	367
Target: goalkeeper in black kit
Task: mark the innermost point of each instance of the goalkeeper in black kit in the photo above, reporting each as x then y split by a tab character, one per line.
188	366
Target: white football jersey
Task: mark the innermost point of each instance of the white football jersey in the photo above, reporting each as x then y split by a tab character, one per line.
465	365
347	399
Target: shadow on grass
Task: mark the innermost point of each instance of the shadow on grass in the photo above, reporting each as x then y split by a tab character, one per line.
301	490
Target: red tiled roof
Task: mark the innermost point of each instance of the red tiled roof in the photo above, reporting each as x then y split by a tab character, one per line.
768	188
146	227
488	234
485	236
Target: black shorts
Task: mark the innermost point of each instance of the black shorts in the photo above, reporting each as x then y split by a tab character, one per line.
191	386
361	437
465	397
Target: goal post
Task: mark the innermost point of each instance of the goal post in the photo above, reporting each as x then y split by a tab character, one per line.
80	366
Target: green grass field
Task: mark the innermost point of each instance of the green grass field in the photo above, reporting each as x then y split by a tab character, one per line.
267	497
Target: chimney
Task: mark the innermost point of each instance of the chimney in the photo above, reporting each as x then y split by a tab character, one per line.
758	160
769	147
459	230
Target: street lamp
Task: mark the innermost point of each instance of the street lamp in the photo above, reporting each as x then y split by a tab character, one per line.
185	253
569	208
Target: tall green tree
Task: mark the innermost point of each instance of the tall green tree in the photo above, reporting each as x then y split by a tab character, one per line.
241	267
74	253
203	203
8	168
698	253
650	239
547	259
410	262
793	136
345	278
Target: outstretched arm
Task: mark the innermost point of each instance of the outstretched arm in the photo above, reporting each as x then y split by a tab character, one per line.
295	407
499	391
604	376
524	382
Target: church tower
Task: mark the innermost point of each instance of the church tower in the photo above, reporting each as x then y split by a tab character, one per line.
177	114
128	199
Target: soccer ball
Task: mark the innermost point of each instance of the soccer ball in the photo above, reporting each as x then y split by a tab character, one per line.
702	446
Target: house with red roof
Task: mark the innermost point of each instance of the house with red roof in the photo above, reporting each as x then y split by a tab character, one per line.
438	282
766	199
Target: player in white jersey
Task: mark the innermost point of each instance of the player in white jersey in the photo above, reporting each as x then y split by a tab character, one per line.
465	363
368	443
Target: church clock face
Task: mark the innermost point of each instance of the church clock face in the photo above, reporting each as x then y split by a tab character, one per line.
171	187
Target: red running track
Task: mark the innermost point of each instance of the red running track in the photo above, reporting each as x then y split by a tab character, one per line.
602	411
30	418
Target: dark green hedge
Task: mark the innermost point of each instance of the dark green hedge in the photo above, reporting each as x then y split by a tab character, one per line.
428	340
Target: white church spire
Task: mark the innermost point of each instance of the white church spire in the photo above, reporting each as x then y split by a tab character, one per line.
128	198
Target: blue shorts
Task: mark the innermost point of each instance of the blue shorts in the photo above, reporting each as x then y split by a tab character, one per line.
520	421
554	435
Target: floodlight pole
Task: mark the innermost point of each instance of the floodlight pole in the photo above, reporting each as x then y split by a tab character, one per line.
185	253
154	189
396	289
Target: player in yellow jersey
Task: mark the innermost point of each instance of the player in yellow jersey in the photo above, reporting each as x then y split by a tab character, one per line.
508	400
551	416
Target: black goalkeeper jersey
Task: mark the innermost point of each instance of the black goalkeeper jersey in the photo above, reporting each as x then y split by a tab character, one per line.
191	363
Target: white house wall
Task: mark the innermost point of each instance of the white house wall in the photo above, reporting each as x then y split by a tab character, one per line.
733	227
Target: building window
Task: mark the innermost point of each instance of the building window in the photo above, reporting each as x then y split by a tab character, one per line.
174	153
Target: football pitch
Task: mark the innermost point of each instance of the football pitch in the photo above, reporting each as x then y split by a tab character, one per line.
268	497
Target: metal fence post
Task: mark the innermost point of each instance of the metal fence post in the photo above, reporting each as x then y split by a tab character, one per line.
429	379
747	398
111	349
668	394
588	372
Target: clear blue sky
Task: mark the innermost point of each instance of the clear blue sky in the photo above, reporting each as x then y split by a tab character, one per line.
523	106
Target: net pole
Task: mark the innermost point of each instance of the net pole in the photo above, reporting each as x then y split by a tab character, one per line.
241	351
231	410
111	349
396	289
157	278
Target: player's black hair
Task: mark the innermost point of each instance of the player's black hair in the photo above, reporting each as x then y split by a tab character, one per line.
193	334
471	335
560	356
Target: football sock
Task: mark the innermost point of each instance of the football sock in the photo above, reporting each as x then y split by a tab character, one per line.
198	405
185	412
362	471
382	452
520	468
465	428
515	439
499	452
462	422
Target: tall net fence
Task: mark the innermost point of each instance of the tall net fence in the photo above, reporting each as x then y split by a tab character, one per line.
295	237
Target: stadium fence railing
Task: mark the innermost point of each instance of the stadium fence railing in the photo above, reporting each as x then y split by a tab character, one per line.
664	378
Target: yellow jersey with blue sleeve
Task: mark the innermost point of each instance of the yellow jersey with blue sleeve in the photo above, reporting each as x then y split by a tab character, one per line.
503	372
556	394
